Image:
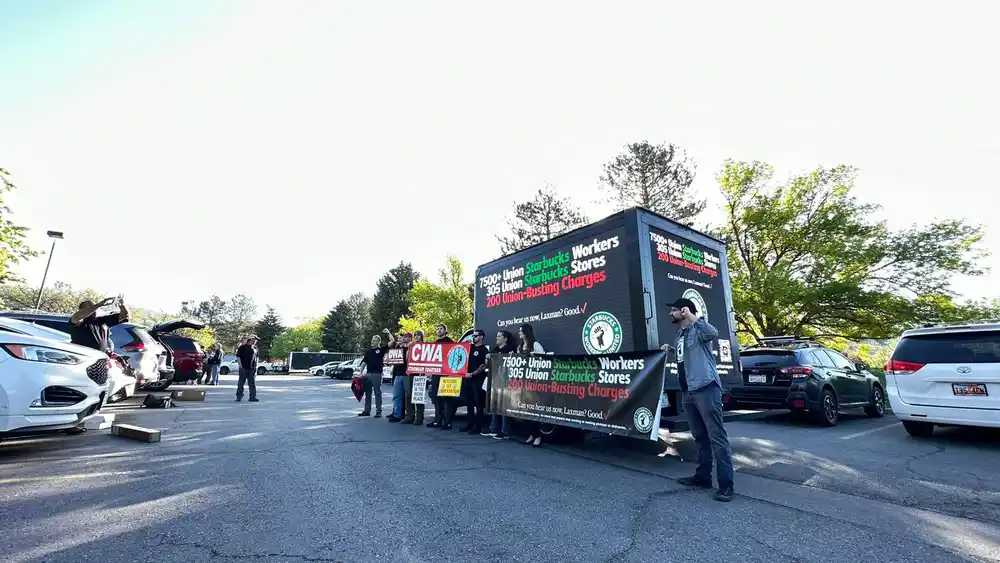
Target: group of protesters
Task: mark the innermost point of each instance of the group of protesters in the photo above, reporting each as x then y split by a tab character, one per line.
693	356
473	392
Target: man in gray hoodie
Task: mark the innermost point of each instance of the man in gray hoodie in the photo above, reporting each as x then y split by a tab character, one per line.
702	388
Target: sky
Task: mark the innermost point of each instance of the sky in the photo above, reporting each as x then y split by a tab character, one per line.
294	151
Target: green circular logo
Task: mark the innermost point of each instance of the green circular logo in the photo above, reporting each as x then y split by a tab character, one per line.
699	302
602	334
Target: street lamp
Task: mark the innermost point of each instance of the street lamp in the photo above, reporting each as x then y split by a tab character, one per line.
54	235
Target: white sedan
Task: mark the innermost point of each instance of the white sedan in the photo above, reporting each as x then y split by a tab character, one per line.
48	386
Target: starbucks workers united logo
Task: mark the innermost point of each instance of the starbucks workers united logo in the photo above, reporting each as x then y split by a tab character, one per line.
699	302
602	334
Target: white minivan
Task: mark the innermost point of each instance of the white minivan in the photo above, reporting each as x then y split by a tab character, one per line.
946	375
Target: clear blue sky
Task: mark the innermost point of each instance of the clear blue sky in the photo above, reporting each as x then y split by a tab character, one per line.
173	141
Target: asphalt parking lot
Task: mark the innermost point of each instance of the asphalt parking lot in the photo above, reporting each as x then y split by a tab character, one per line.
298	477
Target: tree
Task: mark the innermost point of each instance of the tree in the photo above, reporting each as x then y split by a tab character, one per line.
58	297
657	177
305	335
361	316
392	297
806	258
13	248
267	329
340	333
446	302
231	319
546	216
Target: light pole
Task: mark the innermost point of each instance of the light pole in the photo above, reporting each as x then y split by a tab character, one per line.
54	235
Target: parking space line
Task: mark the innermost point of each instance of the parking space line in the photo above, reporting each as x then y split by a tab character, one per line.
869	431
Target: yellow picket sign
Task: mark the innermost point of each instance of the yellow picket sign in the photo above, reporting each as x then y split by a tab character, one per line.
450	387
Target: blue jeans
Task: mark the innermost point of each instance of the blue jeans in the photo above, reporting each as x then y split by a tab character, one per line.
704	414
215	374
500	423
398	390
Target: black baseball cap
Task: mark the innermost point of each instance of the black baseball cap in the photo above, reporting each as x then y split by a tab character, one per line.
682	302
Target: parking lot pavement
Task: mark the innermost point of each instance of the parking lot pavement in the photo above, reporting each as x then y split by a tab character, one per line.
298	477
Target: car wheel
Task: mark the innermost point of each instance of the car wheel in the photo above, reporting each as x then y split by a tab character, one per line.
224	370
261	371
877	408
319	372
829	411
918	429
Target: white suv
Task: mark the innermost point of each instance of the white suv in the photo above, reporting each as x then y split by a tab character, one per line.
946	375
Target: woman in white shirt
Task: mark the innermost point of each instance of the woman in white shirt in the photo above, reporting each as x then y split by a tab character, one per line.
528	345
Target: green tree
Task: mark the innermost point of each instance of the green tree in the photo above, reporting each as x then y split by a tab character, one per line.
546	216
340	332
13	248
361	316
267	329
305	335
806	257
231	319
58	297
392	297
446	302
657	177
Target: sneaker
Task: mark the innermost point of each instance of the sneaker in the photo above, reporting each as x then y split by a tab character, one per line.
724	494
378	415
238	399
433	424
695	481
407	421
393	418
254	400
419	422
364	413
501	436
445	427
487	432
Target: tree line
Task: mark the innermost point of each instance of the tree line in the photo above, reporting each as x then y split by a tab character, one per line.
804	254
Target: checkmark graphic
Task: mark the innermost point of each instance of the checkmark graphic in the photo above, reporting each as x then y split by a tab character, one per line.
584	308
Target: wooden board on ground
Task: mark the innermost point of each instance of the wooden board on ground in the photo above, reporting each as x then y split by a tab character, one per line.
188	395
136	433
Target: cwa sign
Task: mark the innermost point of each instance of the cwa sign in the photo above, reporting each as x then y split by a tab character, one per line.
438	358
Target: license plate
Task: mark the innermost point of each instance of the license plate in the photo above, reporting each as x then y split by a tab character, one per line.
969	389
756	379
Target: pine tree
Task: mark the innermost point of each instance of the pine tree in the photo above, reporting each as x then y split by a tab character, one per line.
267	329
545	217
392	297
657	177
340	330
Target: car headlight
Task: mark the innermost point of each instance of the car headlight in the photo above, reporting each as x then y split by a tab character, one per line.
43	354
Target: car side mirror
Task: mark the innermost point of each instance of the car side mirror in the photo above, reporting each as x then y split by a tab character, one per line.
861	366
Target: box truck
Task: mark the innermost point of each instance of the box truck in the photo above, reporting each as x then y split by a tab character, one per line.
606	288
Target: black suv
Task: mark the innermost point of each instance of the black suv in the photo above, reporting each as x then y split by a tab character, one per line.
799	374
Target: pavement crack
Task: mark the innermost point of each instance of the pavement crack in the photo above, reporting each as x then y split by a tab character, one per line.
637	521
215	553
775	550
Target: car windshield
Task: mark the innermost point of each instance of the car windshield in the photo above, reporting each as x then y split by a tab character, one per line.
33	329
950	348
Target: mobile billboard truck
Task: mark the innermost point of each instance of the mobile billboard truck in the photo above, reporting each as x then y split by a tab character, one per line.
598	300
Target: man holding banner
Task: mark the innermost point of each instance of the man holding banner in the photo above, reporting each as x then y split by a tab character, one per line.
440	406
396	357
415	390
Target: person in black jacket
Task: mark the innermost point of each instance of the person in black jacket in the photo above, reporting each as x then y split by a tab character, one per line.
247	356
371	367
472	387
441	404
213	361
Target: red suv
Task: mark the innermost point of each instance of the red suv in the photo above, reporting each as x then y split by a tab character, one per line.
188	357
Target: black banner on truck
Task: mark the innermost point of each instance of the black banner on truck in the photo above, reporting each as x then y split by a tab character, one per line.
612	394
576	296
684	269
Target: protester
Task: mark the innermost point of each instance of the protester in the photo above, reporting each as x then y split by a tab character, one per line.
247	357
87	329
702	398
528	345
371	367
442	405
472	386
213	360
399	380
500	424
414	412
